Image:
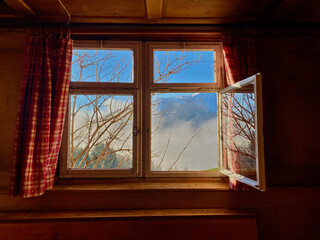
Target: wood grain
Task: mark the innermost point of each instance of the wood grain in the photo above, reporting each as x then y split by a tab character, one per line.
109	214
154	9
21	7
181	228
285	7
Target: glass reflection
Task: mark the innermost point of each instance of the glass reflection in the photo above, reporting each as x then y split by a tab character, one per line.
238	131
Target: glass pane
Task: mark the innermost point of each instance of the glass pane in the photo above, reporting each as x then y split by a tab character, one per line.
184	132
238	131
102	66
101	131
187	66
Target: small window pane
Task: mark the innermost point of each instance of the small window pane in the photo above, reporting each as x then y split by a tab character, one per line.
101	131
184	132
238	131
187	66
102	66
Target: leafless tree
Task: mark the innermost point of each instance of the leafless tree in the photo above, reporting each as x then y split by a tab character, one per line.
101	125
238	128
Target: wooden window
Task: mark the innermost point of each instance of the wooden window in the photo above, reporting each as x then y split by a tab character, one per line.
100	137
181	109
152	109
241	132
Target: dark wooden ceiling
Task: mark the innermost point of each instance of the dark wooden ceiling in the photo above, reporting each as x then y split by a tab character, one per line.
161	11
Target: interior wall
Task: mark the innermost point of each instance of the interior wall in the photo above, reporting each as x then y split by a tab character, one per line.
11	67
289	64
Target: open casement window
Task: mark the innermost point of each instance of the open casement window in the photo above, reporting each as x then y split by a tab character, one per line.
241	132
152	110
100	137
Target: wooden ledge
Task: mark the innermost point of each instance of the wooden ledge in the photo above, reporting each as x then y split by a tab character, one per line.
136	185
109	214
146	186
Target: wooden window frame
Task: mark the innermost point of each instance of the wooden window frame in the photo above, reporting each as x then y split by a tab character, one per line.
260	183
149	48
108	89
141	90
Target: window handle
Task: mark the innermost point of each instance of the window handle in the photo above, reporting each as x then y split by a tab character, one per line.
135	131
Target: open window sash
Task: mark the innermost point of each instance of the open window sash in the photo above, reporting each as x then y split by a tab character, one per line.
241	145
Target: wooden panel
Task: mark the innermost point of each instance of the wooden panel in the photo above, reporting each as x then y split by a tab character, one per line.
11	62
13	39
160	198
307	9
209	8
306	223
127	8
291	98
48	7
285	6
6	10
149	228
21	7
111	214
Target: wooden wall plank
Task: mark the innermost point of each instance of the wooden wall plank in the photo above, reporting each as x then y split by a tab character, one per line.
216	213
21	7
159	199
178	228
285	7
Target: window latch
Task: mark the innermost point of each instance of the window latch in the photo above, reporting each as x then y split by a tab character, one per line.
135	131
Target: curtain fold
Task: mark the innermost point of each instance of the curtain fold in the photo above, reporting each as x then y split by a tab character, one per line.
41	115
240	63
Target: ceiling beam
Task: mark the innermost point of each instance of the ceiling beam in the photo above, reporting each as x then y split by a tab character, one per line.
133	20
284	7
154	9
21	7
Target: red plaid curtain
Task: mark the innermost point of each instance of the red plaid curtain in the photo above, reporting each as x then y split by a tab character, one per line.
41	115
240	61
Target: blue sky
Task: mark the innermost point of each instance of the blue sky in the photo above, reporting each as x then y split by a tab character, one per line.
199	70
118	67
200	67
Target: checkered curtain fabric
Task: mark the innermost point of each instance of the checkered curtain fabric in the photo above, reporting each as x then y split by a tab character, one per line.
240	63
41	115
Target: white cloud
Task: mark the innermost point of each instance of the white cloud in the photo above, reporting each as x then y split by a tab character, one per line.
201	153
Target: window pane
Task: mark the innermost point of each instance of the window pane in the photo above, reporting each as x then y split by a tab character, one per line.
184	132
101	131
176	66
102	66
238	131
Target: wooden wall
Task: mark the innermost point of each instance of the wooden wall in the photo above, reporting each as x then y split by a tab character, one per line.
289	63
11	65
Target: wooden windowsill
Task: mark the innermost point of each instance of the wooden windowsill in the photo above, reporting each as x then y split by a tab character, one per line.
218	184
137	185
